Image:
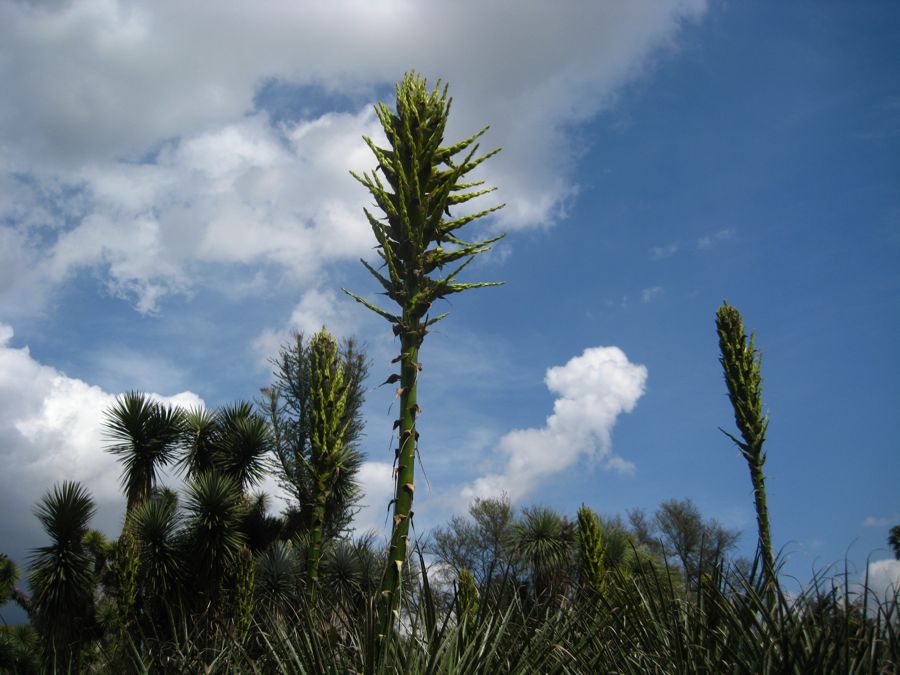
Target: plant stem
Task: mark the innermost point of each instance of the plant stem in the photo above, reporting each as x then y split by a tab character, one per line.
405	470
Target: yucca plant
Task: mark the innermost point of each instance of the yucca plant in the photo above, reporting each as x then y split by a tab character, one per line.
200	441
242	444
214	506
543	540
62	577
417	239
19	649
741	363
143	435
156	527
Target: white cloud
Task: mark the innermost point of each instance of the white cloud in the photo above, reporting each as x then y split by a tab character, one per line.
594	389
709	240
377	481
648	294
876	521
51	430
317	308
884	578
664	251
238	195
92	86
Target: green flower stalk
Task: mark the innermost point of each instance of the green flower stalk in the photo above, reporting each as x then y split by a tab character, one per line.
591	549
467	596
328	452
741	363
244	582
421	179
126	564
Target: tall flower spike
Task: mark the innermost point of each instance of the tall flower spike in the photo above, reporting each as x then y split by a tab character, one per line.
742	367
420	180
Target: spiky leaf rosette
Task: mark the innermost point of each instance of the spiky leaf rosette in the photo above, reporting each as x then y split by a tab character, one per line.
157	525
277	576
417	239
200	441
61	575
9	576
214	506
239	443
142	434
542	540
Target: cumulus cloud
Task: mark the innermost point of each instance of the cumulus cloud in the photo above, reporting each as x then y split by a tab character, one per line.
121	158
316	308
884	578
377	481
51	430
237	195
593	390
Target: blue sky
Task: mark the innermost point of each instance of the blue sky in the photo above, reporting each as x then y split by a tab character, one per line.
174	198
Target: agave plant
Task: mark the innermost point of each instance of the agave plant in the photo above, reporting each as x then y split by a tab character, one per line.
143	434
417	237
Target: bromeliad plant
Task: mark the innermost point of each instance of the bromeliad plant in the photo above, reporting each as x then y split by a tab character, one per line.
417	239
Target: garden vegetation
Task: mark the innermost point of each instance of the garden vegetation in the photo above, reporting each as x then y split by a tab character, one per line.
206	579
